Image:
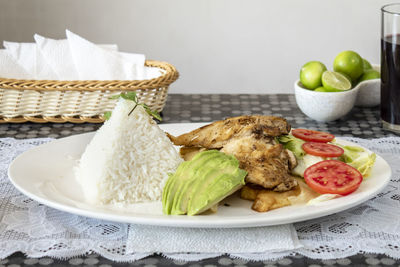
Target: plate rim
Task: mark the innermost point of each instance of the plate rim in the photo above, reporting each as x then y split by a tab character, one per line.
176	221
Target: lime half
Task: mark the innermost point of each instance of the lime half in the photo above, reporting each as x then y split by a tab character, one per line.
335	81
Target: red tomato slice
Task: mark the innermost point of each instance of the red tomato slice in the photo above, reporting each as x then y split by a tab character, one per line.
332	177
313	136
322	149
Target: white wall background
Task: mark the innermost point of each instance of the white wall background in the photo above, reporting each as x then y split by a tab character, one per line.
218	46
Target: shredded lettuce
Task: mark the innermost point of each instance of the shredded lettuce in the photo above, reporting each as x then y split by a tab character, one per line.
305	162
355	156
293	144
358	158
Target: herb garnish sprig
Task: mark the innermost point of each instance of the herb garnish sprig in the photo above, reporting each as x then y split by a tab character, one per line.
133	97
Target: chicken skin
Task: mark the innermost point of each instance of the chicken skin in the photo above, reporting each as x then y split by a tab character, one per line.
251	140
265	200
266	162
217	134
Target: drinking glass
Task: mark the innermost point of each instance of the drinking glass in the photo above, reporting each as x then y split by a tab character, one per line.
390	67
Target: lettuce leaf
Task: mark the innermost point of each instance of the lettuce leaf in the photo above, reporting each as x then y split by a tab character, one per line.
358	158
305	162
293	144
355	156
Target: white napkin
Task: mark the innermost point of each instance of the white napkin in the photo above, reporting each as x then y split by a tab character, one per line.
157	239
58	55
139	60
9	68
74	58
28	57
95	63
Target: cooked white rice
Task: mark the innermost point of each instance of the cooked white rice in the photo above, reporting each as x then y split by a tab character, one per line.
128	159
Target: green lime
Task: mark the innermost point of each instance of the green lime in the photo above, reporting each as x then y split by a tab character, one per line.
366	65
335	81
353	83
320	89
310	74
349	63
370	75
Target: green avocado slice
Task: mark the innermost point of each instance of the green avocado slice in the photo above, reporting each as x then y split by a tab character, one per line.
202	182
217	187
185	191
213	173
183	173
165	191
173	185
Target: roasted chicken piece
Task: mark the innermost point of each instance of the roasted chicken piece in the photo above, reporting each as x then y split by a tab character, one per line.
251	140
266	162
265	200
188	152
217	134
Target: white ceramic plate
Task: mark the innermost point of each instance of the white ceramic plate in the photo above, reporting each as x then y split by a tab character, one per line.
45	174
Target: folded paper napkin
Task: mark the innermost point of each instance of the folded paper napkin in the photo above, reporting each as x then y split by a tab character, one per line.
58	55
74	58
29	58
153	239
9	67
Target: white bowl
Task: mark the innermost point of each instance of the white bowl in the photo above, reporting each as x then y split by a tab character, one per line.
369	93
324	106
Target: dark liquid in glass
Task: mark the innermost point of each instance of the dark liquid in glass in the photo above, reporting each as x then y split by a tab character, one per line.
390	78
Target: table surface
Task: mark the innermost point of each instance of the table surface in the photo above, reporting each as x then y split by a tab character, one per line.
361	122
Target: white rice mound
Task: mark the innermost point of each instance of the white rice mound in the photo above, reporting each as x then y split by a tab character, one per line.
128	160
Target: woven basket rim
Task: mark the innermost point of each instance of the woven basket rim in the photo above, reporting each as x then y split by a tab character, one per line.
170	75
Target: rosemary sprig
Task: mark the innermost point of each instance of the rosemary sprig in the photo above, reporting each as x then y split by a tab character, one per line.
133	97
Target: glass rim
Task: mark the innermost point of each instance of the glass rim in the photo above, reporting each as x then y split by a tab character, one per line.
383	9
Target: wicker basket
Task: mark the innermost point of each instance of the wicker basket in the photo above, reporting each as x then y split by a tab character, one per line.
77	101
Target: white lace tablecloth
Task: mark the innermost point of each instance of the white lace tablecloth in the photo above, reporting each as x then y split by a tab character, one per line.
38	231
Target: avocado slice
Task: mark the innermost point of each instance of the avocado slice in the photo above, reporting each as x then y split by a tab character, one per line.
185	191
201	183
165	191
183	173
176	180
217	186
211	174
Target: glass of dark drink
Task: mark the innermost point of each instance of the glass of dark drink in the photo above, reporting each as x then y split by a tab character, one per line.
390	68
